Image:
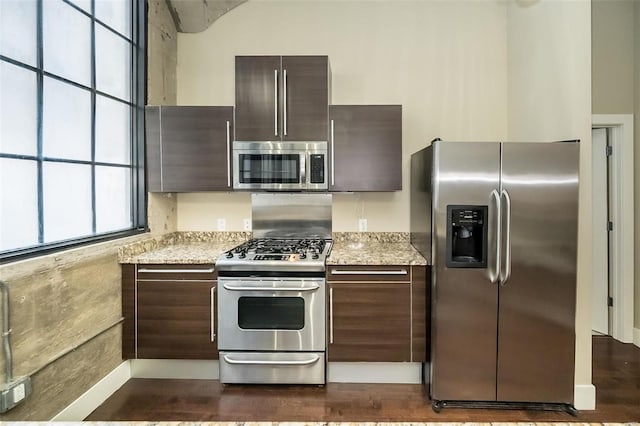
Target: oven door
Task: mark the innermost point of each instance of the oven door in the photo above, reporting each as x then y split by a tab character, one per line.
260	314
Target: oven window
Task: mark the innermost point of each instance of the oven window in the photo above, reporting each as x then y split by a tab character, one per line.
269	168
271	313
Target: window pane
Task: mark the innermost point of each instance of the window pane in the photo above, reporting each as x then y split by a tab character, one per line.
67	201
18	204
116	14
18	36
18	110
113	131
113	64
67	42
82	4
66	121
113	199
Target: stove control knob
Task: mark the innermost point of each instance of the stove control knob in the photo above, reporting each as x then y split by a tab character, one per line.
315	256
303	255
229	254
242	255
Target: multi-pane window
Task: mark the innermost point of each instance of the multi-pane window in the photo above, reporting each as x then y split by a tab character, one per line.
71	146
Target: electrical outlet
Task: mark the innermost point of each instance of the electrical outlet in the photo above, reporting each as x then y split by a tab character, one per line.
247	224
362	225
222	224
11	394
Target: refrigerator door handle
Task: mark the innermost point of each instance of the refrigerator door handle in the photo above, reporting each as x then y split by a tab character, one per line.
495	274
504	278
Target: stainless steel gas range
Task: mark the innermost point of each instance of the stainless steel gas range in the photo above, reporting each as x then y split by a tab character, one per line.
271	293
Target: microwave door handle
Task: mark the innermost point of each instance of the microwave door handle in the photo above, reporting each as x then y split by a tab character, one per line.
303	174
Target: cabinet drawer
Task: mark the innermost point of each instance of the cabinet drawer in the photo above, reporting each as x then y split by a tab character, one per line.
176	272
369	273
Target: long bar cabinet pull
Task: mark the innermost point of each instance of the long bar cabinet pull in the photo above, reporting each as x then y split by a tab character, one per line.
213	313
331	315
284	103
275	102
354	272
333	155
228	154
177	271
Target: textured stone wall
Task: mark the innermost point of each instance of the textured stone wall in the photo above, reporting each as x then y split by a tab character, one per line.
162	55
162	88
65	310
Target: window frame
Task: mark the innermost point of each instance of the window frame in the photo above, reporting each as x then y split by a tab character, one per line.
137	154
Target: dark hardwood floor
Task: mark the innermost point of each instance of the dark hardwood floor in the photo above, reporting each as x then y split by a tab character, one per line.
616	375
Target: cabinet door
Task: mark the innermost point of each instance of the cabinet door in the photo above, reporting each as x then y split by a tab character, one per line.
196	148
257	98
129	311
176	320
305	98
152	145
369	321
366	145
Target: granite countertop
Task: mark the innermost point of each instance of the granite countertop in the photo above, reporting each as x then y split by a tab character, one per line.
182	247
373	248
349	248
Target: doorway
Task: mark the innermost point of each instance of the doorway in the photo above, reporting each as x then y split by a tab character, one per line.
613	232
601	296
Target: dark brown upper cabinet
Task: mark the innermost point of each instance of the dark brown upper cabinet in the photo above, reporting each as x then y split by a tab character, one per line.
282	98
366	148
189	148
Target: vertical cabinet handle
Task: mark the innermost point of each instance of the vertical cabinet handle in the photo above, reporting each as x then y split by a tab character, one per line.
284	103
228	154
331	315
507	250
333	155
275	102
213	313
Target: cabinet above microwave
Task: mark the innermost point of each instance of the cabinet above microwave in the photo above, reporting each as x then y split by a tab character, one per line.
282	98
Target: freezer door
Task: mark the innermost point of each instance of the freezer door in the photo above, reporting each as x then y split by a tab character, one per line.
464	300
536	336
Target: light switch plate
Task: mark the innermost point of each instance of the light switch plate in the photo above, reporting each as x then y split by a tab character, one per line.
222	224
247	224
362	225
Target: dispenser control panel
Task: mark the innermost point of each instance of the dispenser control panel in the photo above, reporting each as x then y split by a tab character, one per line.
467	236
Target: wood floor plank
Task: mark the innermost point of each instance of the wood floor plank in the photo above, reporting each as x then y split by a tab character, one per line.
616	375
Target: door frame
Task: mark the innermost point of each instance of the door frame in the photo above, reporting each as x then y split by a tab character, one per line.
622	201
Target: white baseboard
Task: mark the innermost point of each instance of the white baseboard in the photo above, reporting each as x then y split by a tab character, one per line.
585	397
636	337
374	372
174	369
96	395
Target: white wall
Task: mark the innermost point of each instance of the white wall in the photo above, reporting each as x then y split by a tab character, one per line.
549	98
636	126
445	62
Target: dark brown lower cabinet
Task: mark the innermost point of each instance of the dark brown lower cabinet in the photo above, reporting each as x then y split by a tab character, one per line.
174	312
371	314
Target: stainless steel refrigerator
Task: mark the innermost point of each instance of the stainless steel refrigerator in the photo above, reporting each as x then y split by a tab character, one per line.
499	223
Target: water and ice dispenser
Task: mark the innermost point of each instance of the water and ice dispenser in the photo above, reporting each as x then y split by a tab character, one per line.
466	236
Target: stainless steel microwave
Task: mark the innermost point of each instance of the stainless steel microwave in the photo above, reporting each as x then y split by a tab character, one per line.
280	166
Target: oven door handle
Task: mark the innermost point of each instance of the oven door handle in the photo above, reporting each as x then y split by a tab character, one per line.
248	288
309	361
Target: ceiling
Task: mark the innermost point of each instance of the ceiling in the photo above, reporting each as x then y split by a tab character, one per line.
193	16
